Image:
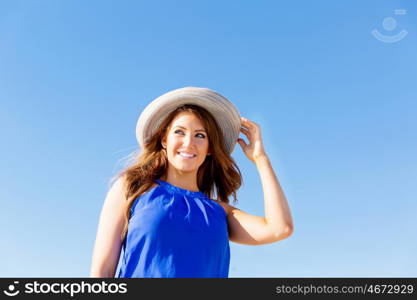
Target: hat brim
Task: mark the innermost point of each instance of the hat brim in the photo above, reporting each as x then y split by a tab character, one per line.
223	111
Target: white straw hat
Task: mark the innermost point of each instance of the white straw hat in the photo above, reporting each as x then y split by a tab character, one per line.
223	111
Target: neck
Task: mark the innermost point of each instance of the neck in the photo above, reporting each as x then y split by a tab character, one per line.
183	180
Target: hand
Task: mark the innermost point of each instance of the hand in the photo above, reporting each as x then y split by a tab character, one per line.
255	149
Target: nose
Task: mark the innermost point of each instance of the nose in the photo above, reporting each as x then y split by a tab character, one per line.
188	140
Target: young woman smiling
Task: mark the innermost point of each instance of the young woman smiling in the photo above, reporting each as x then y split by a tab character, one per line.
169	212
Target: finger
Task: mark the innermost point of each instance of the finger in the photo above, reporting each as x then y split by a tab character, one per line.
242	143
245	122
251	132
246	126
245	131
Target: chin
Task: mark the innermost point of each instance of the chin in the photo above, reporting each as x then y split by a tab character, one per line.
186	169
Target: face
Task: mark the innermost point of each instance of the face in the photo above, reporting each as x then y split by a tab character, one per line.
186	143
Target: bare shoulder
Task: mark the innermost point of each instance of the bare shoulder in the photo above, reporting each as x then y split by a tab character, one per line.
119	186
227	207
119	183
116	193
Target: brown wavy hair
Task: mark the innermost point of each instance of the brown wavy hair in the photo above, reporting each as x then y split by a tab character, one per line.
218	177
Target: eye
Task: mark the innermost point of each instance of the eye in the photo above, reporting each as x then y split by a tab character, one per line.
178	131
201	135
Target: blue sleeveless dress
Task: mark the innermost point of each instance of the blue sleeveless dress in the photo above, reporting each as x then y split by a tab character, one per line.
174	232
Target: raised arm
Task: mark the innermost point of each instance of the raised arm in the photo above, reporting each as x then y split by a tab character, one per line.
108	241
277	223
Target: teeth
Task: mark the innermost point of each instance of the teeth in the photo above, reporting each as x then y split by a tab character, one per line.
186	154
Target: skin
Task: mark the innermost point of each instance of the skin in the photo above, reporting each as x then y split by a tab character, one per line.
186	133
277	223
244	228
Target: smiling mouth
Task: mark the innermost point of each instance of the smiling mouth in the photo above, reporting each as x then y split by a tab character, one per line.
186	155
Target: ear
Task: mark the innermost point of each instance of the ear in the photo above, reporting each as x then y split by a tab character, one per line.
164	143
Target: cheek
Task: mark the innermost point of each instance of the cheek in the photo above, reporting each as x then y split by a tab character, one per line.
203	145
172	142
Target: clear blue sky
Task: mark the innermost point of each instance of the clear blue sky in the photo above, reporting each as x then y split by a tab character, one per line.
336	105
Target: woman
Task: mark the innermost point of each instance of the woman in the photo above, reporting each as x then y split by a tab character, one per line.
169	212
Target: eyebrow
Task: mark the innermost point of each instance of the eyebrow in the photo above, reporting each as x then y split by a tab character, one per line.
186	128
